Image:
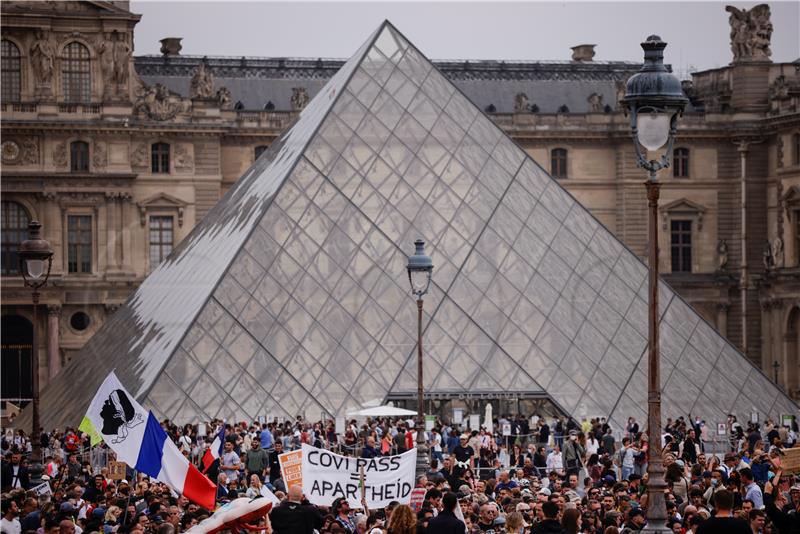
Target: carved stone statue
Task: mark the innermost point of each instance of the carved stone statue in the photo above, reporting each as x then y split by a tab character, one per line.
225	98
122	57
202	84
42	54
521	103
158	103
751	32
722	255
777	252
595	102
620	86
766	254
299	98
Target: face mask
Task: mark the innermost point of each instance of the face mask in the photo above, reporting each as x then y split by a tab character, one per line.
714	482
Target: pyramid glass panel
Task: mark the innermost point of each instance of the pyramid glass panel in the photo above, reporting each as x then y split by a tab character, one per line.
291	296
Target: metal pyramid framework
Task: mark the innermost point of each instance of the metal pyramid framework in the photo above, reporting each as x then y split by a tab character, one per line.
291	296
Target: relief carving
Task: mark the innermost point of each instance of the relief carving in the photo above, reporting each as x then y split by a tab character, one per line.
751	32
139	156
722	255
100	155
60	156
299	98
115	56
158	103
183	158
30	150
202	84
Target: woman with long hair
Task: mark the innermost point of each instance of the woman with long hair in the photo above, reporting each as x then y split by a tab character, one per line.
515	523
402	521
571	521
517	457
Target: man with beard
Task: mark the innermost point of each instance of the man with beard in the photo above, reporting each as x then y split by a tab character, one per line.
9	524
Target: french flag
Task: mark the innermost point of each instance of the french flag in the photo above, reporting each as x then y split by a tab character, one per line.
137	438
214	452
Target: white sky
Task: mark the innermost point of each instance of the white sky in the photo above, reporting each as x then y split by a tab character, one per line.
697	32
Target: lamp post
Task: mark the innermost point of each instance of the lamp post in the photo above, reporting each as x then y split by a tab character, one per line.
35	261
654	99
420	268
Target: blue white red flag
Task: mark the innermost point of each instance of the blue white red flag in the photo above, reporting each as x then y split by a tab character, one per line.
214	452
137	438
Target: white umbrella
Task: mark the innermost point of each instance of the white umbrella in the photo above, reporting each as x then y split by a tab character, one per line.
382	411
488	418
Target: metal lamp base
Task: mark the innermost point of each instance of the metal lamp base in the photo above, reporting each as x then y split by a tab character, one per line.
422	459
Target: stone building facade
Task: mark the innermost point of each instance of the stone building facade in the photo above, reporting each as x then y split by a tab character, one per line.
120	155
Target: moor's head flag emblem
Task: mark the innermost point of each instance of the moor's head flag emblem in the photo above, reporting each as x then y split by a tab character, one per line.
119	415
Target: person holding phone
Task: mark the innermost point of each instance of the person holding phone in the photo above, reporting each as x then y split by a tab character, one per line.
787	521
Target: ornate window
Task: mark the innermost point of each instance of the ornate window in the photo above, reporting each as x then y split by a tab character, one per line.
76	75
681	246
79	243
680	163
15	220
160	158
79	156
161	238
11	79
260	149
558	162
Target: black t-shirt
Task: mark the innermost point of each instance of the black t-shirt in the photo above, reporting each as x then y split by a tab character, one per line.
463	454
724	525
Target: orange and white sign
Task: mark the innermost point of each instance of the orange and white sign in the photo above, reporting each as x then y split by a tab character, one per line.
291	468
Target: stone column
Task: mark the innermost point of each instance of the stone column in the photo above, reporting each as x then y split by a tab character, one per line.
111	231
125	230
53	352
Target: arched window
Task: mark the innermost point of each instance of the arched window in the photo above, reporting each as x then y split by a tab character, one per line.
160	158
558	162
79	156
680	163
76	73
15	220
260	150
10	64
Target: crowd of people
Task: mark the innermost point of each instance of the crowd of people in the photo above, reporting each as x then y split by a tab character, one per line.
518	475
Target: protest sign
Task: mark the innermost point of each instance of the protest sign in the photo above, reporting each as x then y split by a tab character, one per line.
722	429
291	464
43	491
474	421
430	421
417	498
506	429
340	425
790	462
116	470
458	416
327	476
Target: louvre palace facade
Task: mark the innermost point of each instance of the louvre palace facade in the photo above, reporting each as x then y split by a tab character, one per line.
119	156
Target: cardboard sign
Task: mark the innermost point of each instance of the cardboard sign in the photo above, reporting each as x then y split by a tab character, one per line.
790	461
291	468
506	429
722	429
116	470
340	425
417	498
328	476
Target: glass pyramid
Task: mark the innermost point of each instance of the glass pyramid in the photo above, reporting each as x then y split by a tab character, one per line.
291	296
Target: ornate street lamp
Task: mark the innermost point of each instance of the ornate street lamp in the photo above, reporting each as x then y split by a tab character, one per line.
420	269
655	100
35	261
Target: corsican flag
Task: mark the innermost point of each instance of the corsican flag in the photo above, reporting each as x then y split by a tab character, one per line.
137	438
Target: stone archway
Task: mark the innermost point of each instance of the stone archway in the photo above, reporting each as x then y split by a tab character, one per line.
791	359
15	361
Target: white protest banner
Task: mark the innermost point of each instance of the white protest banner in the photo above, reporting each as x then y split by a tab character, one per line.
327	476
43	490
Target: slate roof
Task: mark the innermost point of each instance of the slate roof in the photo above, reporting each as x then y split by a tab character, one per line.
256	81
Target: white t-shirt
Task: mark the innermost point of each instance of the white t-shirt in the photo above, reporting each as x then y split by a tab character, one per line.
10	527
231	458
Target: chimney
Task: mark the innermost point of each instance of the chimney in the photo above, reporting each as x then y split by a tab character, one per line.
584	52
171	46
